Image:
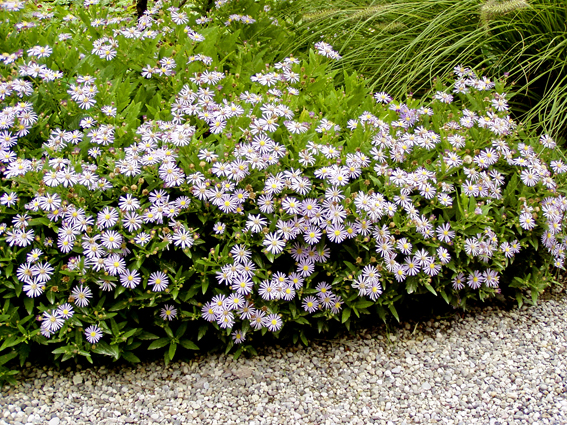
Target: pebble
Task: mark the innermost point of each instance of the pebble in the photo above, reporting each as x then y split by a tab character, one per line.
487	366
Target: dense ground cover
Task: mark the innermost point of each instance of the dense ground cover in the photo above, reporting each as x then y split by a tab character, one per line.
177	176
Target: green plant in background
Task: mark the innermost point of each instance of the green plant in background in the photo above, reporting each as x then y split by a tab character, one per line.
401	45
176	177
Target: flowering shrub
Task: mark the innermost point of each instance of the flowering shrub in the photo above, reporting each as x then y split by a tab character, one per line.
162	181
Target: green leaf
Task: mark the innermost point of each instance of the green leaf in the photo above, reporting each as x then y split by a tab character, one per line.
28	304
346	314
351	266
130	357
303	339
147	336
519	299
202	331
238	352
381	313
172	349
301	321
10	342
162	342
189	345
168	331
430	289
394	312
107	350
61	350
114	327
7	357
364	304
50	296
181	330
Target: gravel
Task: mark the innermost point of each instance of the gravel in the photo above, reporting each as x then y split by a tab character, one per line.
491	366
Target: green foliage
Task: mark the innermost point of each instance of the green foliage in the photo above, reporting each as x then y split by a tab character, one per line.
184	184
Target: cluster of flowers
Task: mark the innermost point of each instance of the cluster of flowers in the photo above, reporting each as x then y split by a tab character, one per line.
166	67
308	208
325	49
245	19
12	5
105	48
84	92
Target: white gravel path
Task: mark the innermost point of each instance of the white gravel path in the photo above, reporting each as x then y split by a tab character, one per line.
490	367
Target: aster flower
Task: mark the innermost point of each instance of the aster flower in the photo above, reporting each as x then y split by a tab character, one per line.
459	281
111	239
183	238
33	289
267	290
475	279
374	291
336	233
273	322
312	235
225	319
233	302
295	280
208	312
443	255
65	311
107	218
257	319
399	272
491	278
243	285
52	321
323	288
238	336
255	223
158	280
81	295
132	221
219	228
273	243
42	272
25	272
168	312
93	334
306	267
526	221
310	304
327	300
